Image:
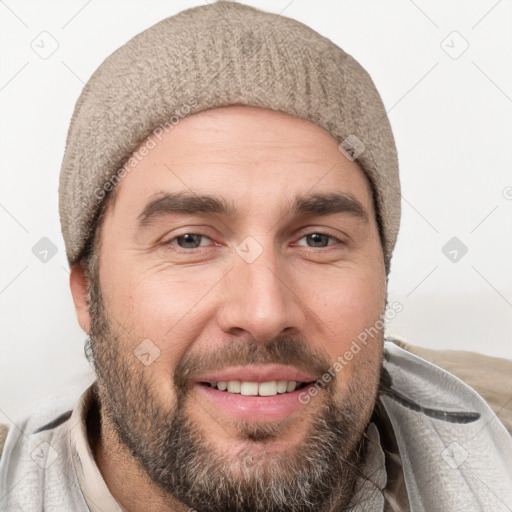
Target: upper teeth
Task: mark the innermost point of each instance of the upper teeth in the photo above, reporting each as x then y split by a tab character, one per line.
256	388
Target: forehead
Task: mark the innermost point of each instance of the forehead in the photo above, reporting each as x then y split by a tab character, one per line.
242	154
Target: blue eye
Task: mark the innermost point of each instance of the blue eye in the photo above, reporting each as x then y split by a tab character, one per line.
189	240
318	240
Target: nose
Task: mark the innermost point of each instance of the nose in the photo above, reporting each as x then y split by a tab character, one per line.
258	298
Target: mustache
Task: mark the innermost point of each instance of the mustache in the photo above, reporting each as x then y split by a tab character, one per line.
286	350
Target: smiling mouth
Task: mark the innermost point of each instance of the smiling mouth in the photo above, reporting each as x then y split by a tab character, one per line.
248	388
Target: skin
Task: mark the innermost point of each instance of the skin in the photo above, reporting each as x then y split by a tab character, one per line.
195	301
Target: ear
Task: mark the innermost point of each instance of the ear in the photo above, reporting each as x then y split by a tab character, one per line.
79	290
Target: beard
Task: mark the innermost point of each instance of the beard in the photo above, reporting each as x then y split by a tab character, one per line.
318	474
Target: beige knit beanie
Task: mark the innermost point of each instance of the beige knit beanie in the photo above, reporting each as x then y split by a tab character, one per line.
211	56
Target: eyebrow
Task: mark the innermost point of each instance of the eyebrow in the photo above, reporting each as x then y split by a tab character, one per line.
327	204
182	202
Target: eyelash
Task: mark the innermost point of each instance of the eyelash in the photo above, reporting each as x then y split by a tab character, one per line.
331	237
182	249
170	242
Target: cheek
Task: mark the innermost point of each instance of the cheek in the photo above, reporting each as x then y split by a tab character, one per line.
352	309
166	306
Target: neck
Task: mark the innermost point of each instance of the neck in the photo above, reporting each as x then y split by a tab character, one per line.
126	480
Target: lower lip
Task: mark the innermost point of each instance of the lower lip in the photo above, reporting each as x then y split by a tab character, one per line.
255	408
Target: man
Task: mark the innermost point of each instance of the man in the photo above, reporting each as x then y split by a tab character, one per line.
230	201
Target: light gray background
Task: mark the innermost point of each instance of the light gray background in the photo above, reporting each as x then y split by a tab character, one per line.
452	119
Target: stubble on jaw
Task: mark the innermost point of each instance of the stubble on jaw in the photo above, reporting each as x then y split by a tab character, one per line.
319	474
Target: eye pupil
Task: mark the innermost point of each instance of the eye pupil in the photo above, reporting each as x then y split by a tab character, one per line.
318	239
189	241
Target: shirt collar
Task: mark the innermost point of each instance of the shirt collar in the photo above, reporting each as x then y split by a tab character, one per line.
91	481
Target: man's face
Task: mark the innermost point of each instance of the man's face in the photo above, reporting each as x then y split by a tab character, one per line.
268	279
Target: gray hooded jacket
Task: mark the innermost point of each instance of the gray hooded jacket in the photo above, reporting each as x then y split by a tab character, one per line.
456	454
